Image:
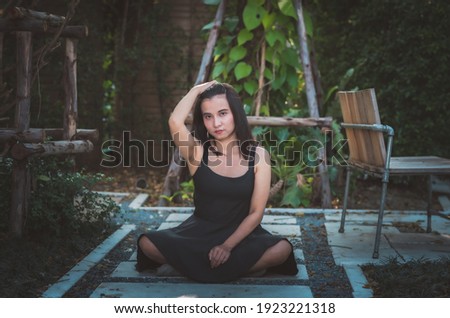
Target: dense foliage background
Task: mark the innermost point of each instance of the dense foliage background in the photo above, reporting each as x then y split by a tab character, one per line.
400	48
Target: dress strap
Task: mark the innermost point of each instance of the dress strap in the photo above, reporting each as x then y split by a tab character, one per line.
251	156
206	146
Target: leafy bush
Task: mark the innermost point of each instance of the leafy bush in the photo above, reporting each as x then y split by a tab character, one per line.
403	58
62	201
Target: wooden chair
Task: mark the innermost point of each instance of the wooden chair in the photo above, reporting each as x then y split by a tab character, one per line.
368	152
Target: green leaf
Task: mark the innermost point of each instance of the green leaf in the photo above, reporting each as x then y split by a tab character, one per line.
292	197
265	111
281	133
275	35
43	178
291	57
259	130
244	36
256	2
292	77
280	78
268	74
252	16
238	53
230	23
219	67
220	49
211	2
251	87
269	20
208	26
242	70
287	8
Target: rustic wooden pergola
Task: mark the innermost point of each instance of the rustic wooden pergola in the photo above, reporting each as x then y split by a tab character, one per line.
22	142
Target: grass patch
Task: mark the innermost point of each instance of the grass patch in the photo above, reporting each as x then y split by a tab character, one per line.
421	278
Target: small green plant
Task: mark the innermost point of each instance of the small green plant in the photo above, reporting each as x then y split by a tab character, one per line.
62	201
296	186
186	193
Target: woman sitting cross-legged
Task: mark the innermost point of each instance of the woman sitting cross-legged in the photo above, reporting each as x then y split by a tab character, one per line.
223	239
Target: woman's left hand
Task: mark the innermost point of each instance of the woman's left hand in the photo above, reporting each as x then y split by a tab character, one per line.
219	255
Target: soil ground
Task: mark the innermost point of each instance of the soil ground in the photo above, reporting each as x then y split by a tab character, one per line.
27	268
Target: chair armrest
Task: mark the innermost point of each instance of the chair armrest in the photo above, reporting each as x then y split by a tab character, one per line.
376	127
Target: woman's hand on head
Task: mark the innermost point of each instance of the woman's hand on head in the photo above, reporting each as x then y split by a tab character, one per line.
204	86
219	255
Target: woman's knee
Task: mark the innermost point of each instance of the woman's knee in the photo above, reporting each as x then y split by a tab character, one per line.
284	248
150	250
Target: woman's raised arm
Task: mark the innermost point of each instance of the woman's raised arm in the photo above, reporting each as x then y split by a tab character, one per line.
180	133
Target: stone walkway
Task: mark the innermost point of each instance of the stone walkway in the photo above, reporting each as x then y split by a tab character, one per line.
349	250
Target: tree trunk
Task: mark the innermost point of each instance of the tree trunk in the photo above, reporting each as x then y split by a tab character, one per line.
312	102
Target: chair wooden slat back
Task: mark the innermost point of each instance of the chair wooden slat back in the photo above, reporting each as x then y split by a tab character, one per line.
360	107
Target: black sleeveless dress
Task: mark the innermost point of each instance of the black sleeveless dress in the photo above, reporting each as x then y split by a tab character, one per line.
221	203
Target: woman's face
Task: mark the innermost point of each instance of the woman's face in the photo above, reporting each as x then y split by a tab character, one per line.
218	118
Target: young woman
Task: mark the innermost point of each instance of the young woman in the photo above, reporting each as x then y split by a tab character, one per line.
223	240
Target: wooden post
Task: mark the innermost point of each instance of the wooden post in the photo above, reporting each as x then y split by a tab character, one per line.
312	102
2	35
20	174
70	88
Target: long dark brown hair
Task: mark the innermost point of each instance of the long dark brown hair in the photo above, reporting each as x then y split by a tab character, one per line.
242	128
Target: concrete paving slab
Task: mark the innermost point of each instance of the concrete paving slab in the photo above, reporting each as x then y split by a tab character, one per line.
194	290
438	224
77	272
168	225
417	245
138	201
298	254
283	230
267	219
358	281
355	246
372	218
127	270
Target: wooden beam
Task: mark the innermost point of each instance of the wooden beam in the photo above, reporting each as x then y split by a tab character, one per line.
22	151
23	13
289	121
80	134
39	135
284	121
42	27
29	135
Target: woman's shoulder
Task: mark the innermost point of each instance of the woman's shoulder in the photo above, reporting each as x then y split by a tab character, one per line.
261	155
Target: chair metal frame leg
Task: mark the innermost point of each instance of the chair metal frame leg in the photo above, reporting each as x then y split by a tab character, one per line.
344	209
384	186
385	181
429	208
